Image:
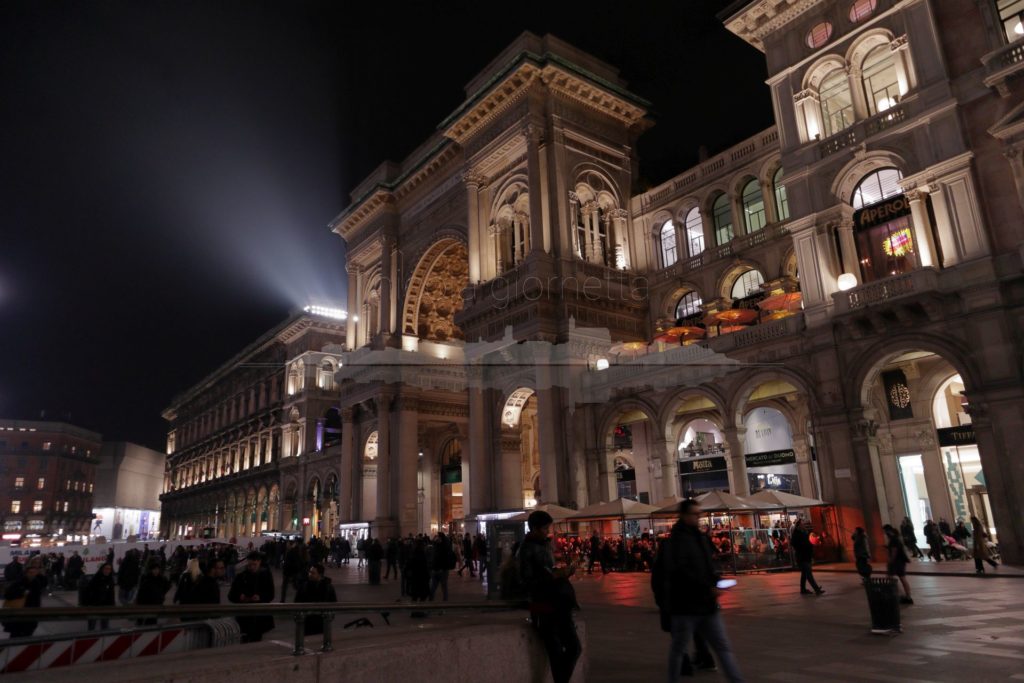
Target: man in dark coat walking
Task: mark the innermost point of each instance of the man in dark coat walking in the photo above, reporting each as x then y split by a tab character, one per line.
317	588
254	585
803	550
690	594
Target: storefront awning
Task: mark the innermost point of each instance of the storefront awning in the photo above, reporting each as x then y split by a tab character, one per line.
616	509
781	499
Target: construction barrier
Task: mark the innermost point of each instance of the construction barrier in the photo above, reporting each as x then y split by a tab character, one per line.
34	654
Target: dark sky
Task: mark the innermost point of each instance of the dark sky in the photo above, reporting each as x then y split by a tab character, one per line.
167	169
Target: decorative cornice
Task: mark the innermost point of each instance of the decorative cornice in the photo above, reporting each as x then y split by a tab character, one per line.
372	206
588	94
501	97
758	19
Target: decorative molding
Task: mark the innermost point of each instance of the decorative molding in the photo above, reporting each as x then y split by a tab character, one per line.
500	98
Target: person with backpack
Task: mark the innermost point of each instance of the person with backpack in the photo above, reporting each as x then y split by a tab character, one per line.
702	660
551	597
23	593
861	553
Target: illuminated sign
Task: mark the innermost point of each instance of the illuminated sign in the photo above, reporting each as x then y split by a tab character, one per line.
770	458
700	465
898	243
882	212
957	436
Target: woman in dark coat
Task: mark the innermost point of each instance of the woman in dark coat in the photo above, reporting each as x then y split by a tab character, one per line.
419	573
897	560
861	553
254	585
153	587
99	592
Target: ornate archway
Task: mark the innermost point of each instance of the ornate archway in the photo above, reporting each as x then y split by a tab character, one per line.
434	294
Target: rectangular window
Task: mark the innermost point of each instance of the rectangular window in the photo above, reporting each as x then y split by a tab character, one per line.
887	249
47	445
67	486
90	488
37	506
65	506
15	506
1011	14
41	483
19	482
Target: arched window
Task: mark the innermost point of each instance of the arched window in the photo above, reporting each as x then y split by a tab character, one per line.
753	206
876	186
722	216
748	282
1011	15
669	253
781	201
689	304
881	82
592	234
836	102
694	231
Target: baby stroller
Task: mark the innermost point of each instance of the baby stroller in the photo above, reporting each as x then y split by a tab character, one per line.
954	550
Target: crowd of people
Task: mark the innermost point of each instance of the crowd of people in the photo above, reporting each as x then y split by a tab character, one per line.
951	542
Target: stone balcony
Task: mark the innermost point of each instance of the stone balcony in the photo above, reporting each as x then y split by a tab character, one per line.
887	290
736	246
911	299
867	128
1003	64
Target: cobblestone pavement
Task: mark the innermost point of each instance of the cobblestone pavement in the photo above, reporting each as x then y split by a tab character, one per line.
961	627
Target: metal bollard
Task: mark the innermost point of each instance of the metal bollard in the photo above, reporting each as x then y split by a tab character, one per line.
328	620
300	634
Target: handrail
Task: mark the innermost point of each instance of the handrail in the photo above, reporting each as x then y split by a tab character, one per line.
298	611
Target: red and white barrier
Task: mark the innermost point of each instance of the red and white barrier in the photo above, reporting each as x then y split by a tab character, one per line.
105	648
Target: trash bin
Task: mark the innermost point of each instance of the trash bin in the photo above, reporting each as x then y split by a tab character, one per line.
884	603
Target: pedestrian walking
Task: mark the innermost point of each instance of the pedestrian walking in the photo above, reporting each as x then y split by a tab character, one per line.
981	550
391	558
254	585
467	555
803	551
690	593
419	572
933	536
291	568
861	552
551	597
442	562
128	575
25	592
910	537
702	659
897	560
374	556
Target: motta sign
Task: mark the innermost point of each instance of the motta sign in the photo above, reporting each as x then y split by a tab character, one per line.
882	212
702	465
769	458
957	436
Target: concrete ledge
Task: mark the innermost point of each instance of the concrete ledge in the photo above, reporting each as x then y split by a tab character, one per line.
503	648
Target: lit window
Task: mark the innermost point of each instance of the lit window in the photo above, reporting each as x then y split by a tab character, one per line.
753	206
862	9
37	506
1011	15
836	102
15	506
781	201
669	254
722	216
876	186
65	506
819	34
695	230
41	483
19	482
47	445
90	488
689	304
881	83
749	282
67	486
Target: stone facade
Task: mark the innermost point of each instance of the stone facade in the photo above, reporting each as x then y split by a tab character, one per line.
247	449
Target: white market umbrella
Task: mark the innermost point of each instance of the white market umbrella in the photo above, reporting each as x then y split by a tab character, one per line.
720	501
783	499
557	512
620	508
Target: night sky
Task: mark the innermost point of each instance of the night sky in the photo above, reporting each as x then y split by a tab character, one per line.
168	169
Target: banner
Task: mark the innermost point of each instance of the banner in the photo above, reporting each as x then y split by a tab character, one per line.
897	395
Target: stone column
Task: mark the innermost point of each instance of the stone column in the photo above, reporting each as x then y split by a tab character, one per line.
849	247
473	183
353	305
935	480
348	478
476	489
549	417
922	228
620	239
385	520
360	324
607	484
386	245
538	241
707	221
510	478
669	467
734	437
866	472
405	466
998	424
805	467
944	228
